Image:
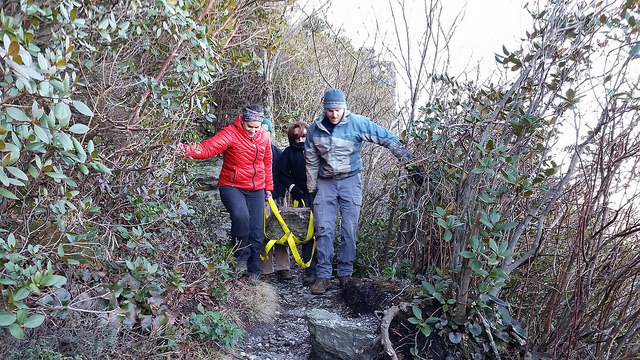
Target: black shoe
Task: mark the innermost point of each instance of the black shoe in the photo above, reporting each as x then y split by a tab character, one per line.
284	275
240	270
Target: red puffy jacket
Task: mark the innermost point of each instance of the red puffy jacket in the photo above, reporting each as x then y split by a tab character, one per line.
246	162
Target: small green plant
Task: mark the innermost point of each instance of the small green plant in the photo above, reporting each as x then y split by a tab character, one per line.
487	315
170	338
419	322
426	327
485	260
400	270
39	352
440	291
136	238
219	292
448	222
23	273
212	326
19	321
175	278
217	260
139	294
142	269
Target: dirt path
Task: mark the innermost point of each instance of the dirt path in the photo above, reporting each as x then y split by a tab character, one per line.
287	338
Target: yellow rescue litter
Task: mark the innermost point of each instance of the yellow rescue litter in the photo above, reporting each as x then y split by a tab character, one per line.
288	237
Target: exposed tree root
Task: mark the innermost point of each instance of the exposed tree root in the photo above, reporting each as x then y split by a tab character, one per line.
389	314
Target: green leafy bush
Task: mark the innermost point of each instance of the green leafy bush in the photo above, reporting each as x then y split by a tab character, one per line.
488	320
39	352
21	276
212	326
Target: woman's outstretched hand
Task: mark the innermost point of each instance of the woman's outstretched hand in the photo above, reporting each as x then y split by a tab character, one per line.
182	149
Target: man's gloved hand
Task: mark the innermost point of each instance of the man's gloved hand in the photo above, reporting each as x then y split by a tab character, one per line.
416	174
296	193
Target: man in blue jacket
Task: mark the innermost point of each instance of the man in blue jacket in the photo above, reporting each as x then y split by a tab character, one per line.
333	165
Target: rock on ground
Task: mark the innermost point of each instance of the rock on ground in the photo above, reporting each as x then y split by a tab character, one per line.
287	338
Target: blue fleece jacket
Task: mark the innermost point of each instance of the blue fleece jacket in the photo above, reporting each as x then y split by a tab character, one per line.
336	154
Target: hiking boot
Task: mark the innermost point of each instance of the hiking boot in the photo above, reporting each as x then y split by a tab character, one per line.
284	275
265	278
344	280
241	269
320	286
308	279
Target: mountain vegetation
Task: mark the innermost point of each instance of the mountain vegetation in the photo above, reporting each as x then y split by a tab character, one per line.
522	234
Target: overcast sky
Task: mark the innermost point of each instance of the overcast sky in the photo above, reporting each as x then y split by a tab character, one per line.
486	26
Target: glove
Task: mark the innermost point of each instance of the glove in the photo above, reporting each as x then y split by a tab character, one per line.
296	193
416	176
267	194
182	149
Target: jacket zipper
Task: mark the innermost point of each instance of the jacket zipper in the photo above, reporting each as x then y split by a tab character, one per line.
255	171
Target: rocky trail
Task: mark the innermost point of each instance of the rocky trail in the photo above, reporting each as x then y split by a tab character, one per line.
288	336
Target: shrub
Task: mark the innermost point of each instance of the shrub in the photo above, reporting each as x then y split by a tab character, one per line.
212	326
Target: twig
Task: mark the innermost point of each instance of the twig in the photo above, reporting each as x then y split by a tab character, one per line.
136	114
315	52
492	342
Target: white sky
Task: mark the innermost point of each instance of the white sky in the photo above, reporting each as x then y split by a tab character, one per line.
486	26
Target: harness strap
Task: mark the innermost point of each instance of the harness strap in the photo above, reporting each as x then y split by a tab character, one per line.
289	238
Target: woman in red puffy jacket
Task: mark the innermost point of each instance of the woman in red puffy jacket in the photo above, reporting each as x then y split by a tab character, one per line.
245	180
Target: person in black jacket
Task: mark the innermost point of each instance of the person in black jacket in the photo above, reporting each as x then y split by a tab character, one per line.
279	254
278	190
292	175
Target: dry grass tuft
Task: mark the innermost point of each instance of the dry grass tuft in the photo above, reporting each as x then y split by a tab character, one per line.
251	303
203	351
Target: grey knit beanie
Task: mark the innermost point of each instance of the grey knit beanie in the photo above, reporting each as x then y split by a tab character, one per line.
334	99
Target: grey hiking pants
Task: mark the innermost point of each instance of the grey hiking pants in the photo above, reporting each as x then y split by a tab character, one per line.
344	195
